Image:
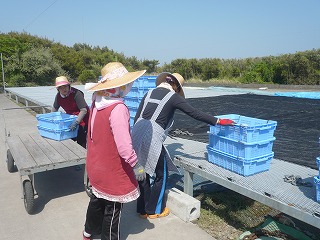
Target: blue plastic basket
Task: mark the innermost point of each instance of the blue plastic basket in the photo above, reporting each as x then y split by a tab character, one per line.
132	102
58	135
133	111
55	120
241	166
131	121
240	148
136	93
145	82
246	129
139	88
318	163
317	182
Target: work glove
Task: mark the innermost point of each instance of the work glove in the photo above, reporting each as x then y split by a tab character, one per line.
225	122
73	125
139	172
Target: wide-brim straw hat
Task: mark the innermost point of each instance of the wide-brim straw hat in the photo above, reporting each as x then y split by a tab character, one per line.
61	81
162	78
114	75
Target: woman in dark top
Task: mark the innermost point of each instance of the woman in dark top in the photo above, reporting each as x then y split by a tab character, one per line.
152	123
73	102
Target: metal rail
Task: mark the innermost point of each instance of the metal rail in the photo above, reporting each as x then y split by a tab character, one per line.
26	101
267	187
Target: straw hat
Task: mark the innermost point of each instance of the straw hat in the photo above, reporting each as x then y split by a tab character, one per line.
114	75
162	78
62	80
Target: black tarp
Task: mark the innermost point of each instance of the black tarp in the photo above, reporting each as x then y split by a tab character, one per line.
298	122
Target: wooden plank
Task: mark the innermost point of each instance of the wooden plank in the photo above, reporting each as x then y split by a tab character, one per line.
77	149
20	154
62	149
47	149
38	155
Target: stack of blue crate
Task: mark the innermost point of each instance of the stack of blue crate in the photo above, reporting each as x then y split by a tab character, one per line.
245	148
139	88
55	125
317	181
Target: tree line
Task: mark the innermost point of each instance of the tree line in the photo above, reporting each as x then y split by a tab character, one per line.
34	61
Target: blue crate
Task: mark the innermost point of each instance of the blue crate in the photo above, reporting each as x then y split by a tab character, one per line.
55	120
318	163
132	102
246	129
136	93
133	111
317	182
58	135
241	166
239	148
131	121
145	82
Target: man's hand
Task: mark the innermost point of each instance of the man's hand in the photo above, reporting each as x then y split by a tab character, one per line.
139	172
74	125
226	122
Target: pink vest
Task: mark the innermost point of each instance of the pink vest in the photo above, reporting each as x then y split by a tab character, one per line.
108	173
70	105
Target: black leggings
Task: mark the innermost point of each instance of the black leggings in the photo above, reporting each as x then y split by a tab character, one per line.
103	217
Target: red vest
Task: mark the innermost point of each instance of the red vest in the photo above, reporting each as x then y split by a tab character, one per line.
70	105
107	171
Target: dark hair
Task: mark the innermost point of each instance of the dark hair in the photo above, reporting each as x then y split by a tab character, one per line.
171	80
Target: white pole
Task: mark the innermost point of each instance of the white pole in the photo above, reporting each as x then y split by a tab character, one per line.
4	85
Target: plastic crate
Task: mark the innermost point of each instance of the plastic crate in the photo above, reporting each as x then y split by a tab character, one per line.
318	163
241	166
132	111
145	82
246	129
58	135
239	148
55	120
131	121
317	182
132	101
136	93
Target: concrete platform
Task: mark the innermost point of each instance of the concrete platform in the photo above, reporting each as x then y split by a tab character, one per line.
62	201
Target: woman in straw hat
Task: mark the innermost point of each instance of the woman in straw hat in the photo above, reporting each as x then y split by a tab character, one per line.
152	123
111	164
73	102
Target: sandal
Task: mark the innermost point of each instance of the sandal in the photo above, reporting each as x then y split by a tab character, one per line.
164	213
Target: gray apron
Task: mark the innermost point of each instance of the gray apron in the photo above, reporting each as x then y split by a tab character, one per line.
148	137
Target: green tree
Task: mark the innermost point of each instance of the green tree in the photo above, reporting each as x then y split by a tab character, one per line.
87	76
210	68
151	65
37	66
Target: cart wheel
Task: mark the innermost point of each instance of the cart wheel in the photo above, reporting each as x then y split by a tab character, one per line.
10	162
87	185
28	195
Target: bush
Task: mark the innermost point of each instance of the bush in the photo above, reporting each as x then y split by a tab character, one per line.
87	76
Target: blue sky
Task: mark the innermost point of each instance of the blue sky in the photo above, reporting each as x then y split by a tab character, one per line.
169	29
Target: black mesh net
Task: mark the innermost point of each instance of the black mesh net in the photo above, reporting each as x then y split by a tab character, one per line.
298	122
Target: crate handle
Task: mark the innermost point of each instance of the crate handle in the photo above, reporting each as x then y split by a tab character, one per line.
264	128
316	214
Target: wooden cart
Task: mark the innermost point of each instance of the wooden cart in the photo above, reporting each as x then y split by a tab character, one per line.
30	153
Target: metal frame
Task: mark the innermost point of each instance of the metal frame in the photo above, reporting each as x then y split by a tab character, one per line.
309	213
267	187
